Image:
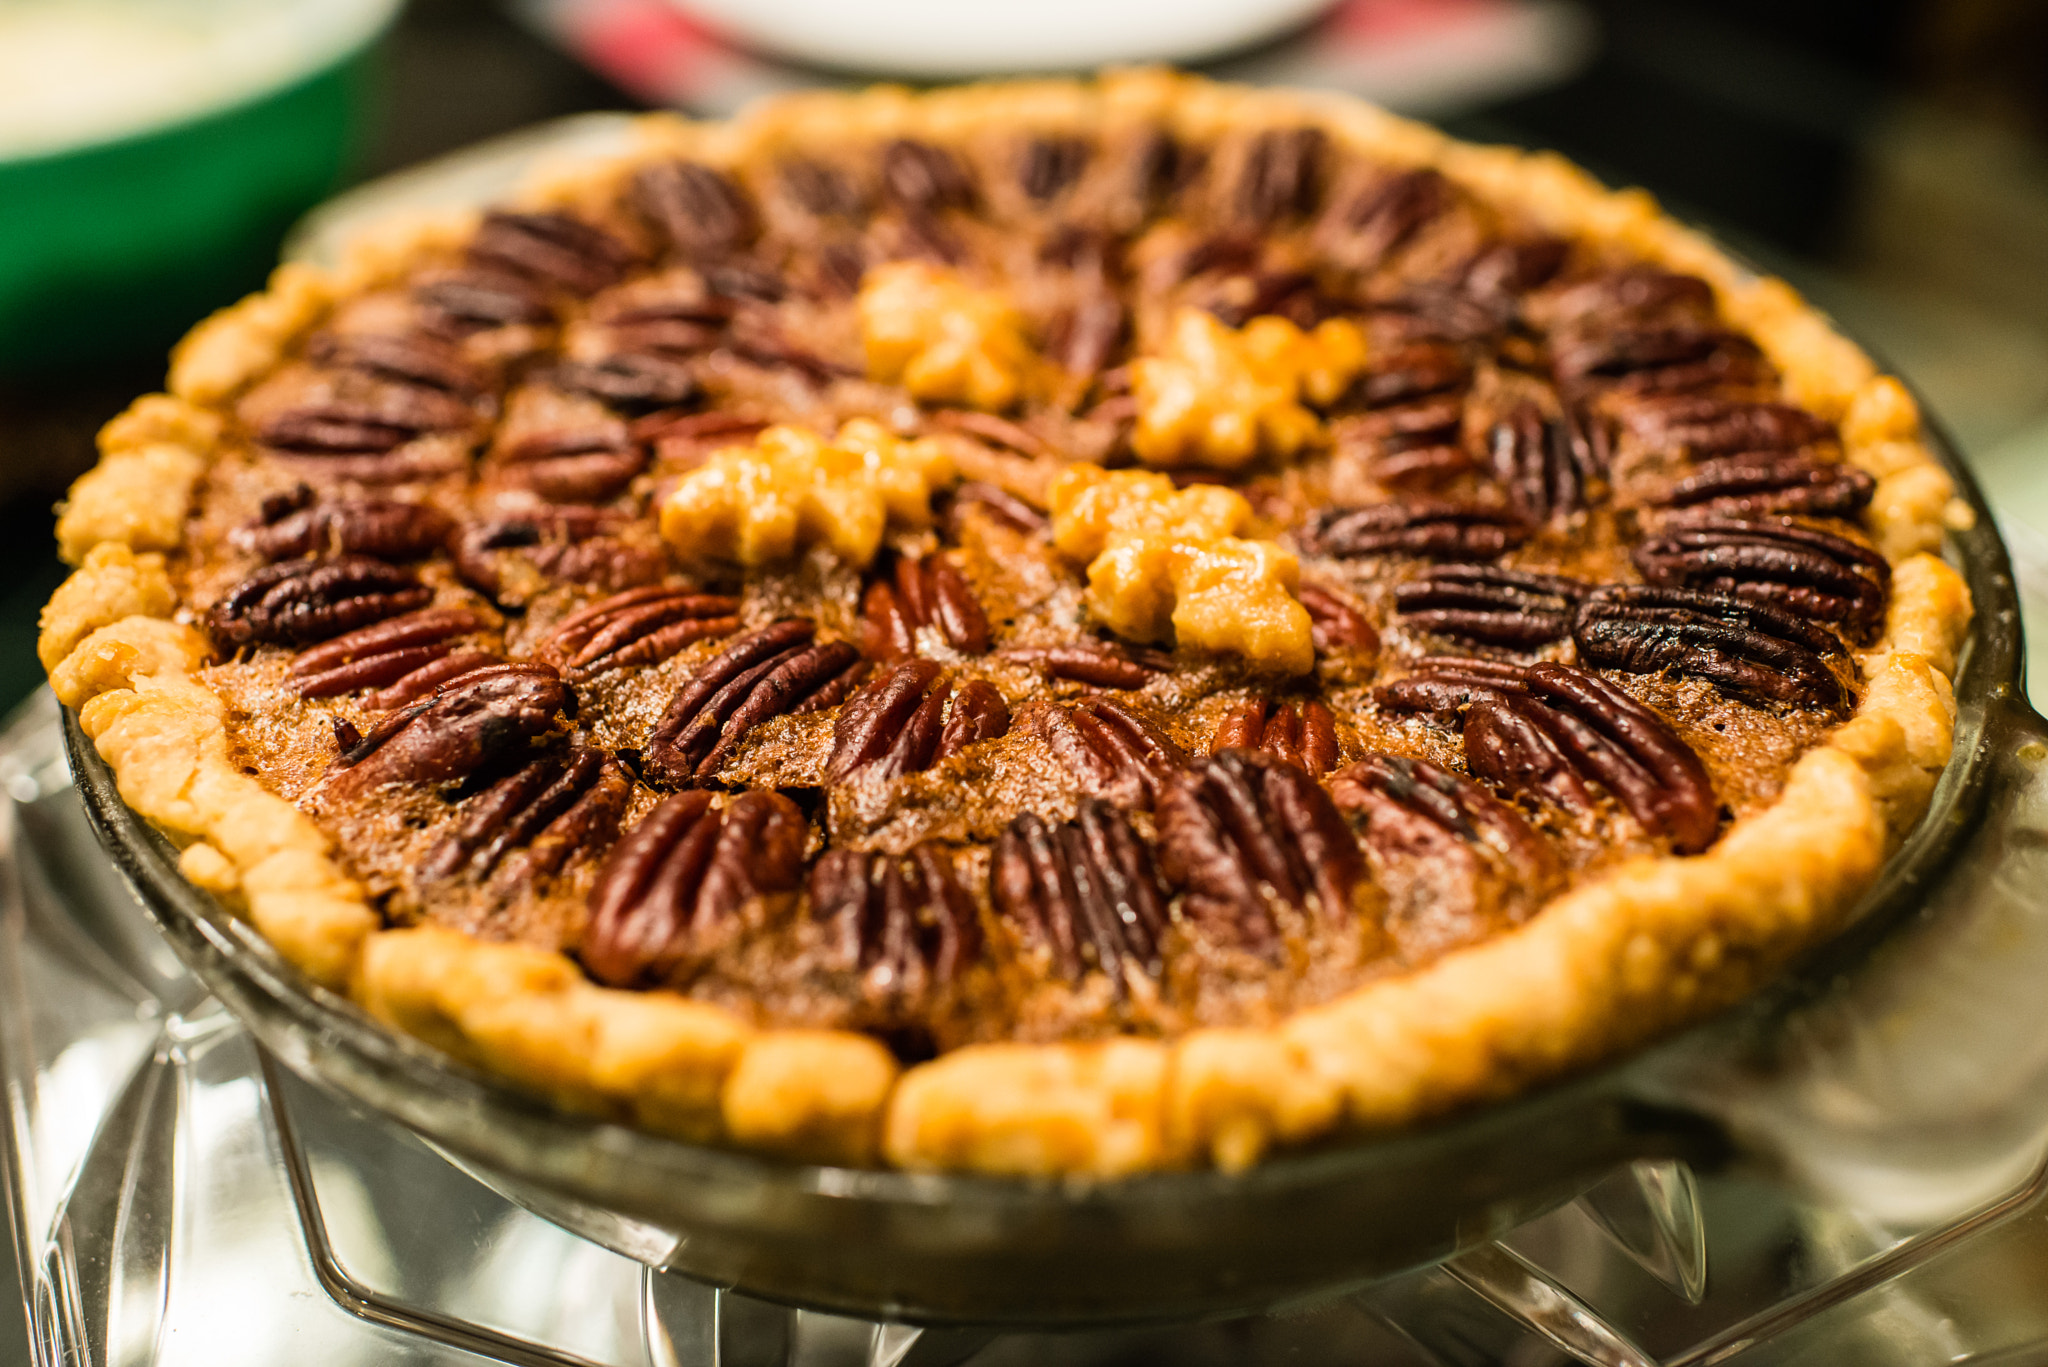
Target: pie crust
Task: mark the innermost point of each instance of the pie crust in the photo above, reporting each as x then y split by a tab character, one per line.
1620	957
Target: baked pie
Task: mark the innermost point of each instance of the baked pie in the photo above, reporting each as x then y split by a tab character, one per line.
1032	628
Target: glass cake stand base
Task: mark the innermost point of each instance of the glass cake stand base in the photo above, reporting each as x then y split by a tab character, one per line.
177	1197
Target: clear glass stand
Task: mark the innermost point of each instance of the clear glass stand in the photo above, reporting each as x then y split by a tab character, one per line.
177	1197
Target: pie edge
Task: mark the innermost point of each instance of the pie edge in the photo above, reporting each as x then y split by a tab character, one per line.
1602	967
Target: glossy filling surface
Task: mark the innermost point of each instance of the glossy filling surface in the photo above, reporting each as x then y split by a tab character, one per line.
720	582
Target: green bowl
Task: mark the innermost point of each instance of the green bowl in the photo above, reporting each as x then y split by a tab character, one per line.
118	246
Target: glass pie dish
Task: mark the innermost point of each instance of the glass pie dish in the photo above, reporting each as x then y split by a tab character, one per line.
934	1248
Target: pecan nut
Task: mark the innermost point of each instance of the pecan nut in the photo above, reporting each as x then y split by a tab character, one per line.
398	358
636	382
1706	425
642	626
571	467
1000	506
1757	484
1050	165
1097	663
379	654
299	602
1556	729
479	719
1383	217
514	557
552	249
909	718
1748	648
925	179
428	678
678	885
703	215
1337	627
1489	605
548	811
478	301
379	528
1439	531
1245	836
1417	370
1444	849
1303	733
367	444
1114	750
766	673
904	926
1282	176
1532	459
1087	890
1444	686
1811	573
925	592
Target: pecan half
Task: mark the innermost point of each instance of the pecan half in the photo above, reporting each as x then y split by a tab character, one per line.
428	678
1758	484
634	382
1304	733
368	444
641	626
676	886
299	602
1414	371
998	504
514	556
1532	458
475	301
1382	218
398	358
1337	627
1441	531
552	249
1489	605
1555	730
552	809
1115	751
1049	166
1706	425
1246	834
905	926
821	189
766	673
479	719
925	179
379	654
928	591
1087	890
571	467
1444	686
1811	573
379	528
1748	648
909	718
1097	663
1413	444
1444	847
1282	176
1514	267
701	213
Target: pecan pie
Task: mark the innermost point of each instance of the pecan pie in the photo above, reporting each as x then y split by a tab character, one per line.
1043	628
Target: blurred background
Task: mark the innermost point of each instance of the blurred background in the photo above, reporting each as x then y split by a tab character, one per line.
1890	157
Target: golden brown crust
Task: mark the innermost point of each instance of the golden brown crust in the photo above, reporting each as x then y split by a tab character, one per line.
1604	966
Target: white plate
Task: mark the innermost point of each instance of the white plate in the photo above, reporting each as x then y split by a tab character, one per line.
936	38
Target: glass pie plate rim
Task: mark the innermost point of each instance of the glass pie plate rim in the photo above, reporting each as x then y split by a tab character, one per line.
942	1247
